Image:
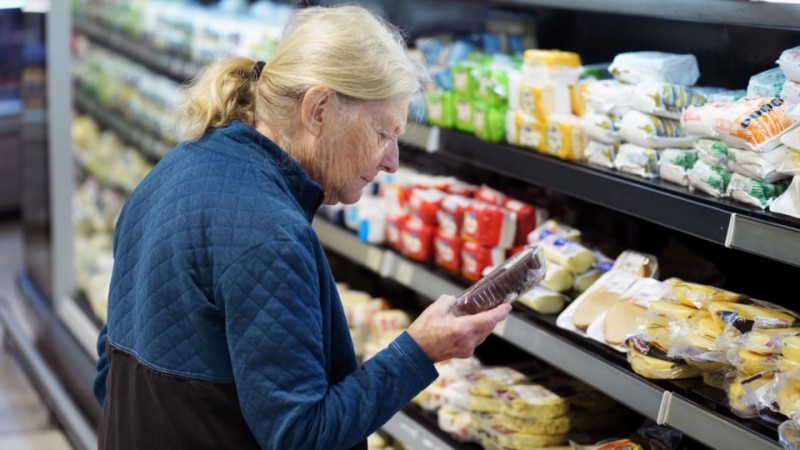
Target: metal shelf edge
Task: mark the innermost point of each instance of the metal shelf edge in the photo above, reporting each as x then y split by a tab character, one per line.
405	429
711	429
736	12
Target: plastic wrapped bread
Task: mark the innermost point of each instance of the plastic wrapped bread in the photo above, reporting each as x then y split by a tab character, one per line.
674	165
636	67
647	130
637	160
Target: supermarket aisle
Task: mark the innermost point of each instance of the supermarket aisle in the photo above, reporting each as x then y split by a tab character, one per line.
25	422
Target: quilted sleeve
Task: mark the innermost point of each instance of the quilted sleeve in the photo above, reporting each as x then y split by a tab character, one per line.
274	321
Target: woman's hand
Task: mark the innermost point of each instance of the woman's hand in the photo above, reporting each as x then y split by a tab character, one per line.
443	336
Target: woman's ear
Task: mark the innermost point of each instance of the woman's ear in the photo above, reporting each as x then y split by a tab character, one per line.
317	103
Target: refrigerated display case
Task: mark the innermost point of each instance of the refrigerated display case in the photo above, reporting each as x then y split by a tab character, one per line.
732	40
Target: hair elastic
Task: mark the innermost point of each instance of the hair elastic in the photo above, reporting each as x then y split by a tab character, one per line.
258	68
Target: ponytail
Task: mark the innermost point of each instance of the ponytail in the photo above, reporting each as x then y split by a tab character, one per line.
224	91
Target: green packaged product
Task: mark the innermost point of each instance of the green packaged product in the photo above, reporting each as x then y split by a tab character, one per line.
441	111
465	78
463	113
489	121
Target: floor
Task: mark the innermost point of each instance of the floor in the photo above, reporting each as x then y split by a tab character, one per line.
25	421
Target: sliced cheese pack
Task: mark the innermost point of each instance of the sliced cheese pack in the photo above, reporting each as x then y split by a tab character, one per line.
567	253
531	401
640	356
543	300
741	394
768	341
595	301
746	317
697	295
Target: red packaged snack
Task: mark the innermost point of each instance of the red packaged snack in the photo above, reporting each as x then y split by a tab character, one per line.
528	218
475	258
394	231
490	196
451	215
462	189
448	252
424	204
396	196
418	240
489	225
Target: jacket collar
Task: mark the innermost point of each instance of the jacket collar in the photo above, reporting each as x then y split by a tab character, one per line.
307	192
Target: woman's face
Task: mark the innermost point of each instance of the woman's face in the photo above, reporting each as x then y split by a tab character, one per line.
361	142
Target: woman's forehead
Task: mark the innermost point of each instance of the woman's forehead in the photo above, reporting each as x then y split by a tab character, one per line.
388	115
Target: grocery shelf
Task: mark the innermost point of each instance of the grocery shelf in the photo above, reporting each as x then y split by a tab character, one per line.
176	67
735	12
411	433
421	136
660	401
151	146
717	220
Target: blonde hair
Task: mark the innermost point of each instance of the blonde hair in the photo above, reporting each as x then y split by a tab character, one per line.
345	48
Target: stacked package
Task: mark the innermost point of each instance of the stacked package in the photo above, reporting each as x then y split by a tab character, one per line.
373	324
788	202
571	267
611	308
542	111
632	120
739	152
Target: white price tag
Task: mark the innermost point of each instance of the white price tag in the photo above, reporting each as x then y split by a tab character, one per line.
374	259
405	271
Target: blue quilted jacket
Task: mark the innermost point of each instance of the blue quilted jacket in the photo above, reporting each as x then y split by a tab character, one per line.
225	329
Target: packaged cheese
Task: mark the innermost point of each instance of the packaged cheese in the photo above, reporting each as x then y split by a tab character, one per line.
538	99
697	295
485	381
766	84
508	439
448	252
608	97
564	137
567	253
530	132
554	228
455	421
543	300
531	401
699	120
489	225
648	366
602	127
763	166
751	315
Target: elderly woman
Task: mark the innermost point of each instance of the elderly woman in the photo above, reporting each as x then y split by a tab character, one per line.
225	329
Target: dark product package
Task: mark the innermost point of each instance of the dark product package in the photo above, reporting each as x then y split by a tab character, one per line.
504	284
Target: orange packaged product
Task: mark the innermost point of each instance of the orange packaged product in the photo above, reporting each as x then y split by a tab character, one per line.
753	123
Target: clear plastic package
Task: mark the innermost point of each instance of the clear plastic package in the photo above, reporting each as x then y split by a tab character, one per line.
504	284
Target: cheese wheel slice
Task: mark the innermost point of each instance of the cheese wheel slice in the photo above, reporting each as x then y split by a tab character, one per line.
791	348
622	319
592	306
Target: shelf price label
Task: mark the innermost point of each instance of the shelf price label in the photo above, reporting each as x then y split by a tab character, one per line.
405	273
